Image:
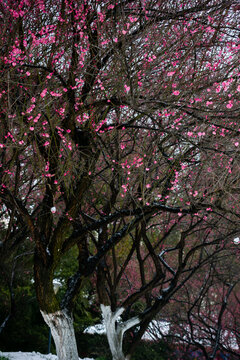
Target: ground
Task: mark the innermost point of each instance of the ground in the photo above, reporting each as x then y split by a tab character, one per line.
30	356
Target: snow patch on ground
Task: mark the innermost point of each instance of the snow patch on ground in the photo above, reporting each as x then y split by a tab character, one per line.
95	329
156	330
31	356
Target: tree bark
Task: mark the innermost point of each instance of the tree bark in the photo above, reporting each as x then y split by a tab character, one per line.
116	330
61	325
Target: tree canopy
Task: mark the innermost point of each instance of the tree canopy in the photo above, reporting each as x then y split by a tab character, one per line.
119	125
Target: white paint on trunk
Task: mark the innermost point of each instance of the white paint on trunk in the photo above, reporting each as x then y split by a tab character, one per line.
61	325
116	330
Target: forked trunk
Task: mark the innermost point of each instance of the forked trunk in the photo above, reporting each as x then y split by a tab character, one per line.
115	330
61	325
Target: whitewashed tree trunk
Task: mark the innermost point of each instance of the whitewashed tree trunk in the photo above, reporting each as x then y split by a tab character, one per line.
116	330
61	325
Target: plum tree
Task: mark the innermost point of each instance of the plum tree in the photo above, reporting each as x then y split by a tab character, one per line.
115	114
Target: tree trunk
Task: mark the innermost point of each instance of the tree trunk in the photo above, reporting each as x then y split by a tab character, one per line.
61	325
116	330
